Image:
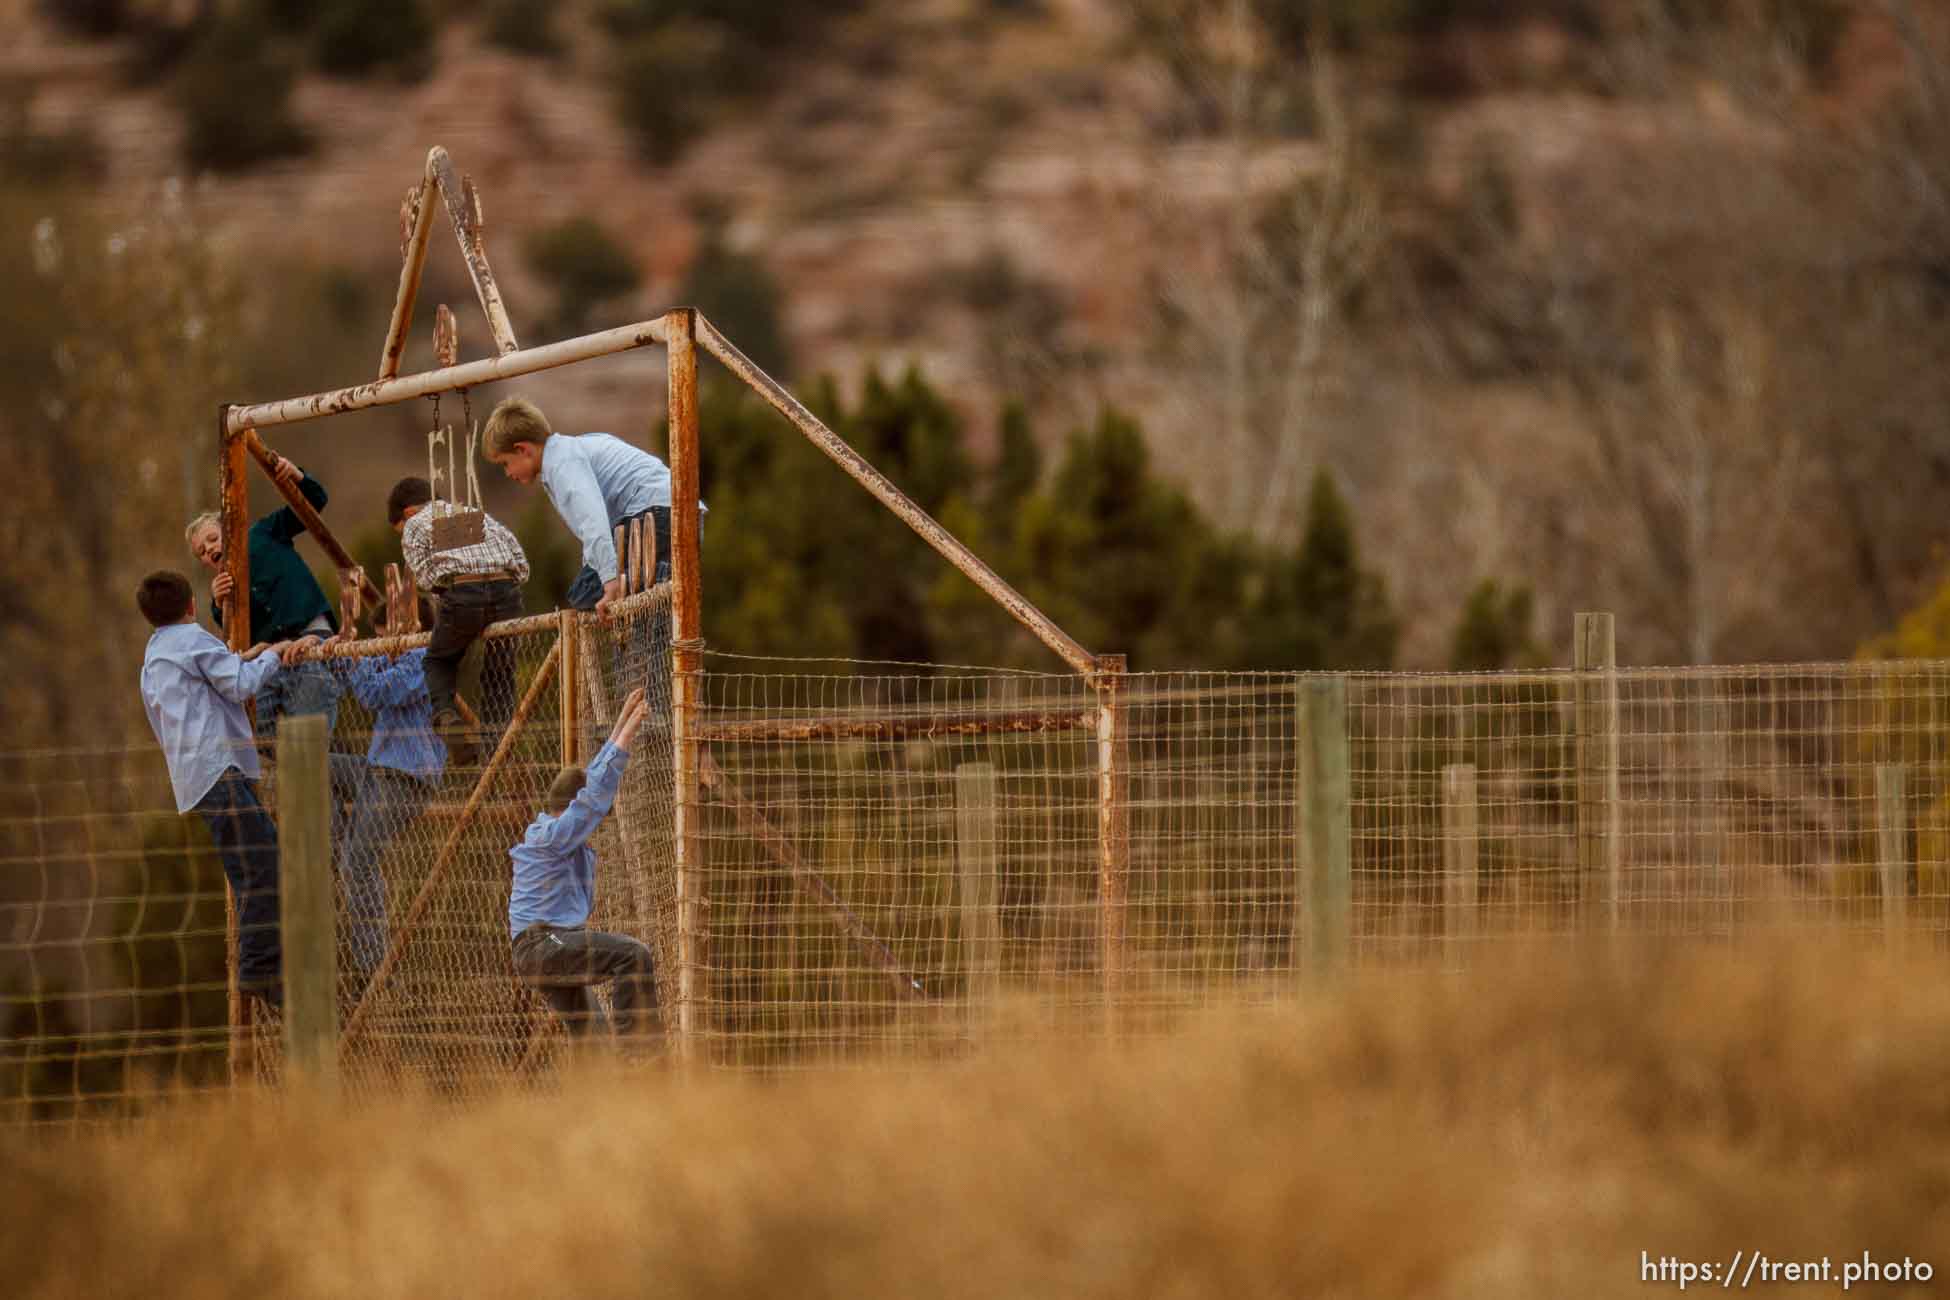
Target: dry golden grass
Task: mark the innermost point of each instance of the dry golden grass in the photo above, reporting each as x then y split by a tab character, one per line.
1527	1131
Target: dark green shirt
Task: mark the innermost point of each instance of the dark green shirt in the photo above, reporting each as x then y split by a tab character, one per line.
285	598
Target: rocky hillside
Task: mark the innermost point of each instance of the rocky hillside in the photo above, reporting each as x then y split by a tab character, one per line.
1275	261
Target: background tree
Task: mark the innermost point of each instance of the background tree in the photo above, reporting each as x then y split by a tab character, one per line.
583	266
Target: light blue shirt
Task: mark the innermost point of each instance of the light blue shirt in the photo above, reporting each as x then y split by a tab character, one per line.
193	689
596	482
555	869
402	715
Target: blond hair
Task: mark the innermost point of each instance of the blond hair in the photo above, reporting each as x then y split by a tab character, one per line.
515	419
207	517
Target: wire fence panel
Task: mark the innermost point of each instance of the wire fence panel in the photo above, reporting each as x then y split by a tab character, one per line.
112	958
925	860
636	889
831	843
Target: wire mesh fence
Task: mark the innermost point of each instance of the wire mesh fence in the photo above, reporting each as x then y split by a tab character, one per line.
886	859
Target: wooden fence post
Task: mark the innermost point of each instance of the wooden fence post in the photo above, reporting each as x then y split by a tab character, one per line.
1325	899
1113	829
1892	847
975	844
308	920
1596	661
1459	857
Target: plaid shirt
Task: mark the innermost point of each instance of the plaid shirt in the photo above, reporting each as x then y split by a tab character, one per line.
497	553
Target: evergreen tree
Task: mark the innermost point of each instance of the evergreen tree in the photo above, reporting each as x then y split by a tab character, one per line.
1494	631
1124	562
737	294
1318	609
1018	465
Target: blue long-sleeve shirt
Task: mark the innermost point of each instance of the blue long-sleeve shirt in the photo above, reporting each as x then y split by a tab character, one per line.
596	481
193	689
555	869
402	714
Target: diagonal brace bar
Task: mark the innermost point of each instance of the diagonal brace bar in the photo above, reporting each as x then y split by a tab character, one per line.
410	925
895	500
314	523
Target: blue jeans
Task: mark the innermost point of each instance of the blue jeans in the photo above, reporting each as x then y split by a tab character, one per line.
306	688
651	642
587	589
247	845
309	687
389	802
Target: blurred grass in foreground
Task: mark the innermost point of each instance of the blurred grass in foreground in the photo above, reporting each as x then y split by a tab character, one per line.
1526	1131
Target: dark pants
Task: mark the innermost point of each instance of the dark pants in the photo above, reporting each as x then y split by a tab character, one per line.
461	613
302	689
561	962
648	645
247	845
587	589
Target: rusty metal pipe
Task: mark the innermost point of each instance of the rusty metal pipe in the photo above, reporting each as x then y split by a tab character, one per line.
686	668
314	524
233	475
464	210
916	727
895	500
413	262
387	392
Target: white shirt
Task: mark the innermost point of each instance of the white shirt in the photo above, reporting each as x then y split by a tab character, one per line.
193	689
496	552
596	482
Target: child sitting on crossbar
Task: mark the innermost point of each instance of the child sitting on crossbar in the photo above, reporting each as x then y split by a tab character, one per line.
473	568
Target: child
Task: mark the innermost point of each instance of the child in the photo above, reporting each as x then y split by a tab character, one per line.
595	482
403	768
473	586
193	689
555	889
285	600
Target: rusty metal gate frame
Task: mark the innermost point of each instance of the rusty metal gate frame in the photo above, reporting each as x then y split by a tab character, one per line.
681	330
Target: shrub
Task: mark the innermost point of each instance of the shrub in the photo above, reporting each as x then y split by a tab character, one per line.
365	38
665	81
228	131
522	27
94	19
738	295
584	266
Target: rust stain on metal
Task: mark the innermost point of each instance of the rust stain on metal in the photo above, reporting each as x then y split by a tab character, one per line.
464	209
386	392
919	727
399	644
446	336
686	666
895	500
233	479
416	224
569	695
